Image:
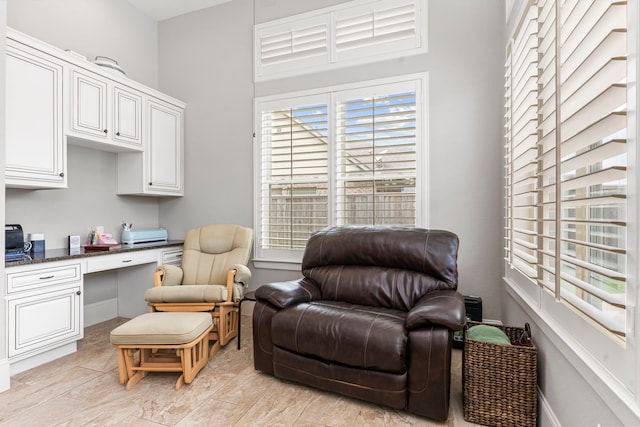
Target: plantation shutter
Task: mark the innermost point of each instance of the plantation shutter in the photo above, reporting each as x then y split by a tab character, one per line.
378	27
351	33
592	160
521	148
294	166
376	156
579	253
296	45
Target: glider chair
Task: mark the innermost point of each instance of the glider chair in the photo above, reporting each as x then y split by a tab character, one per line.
211	278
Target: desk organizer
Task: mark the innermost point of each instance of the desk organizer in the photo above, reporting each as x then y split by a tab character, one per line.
500	381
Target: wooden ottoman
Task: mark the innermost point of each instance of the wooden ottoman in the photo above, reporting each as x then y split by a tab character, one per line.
166	341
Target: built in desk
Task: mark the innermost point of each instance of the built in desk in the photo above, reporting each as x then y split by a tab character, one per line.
44	297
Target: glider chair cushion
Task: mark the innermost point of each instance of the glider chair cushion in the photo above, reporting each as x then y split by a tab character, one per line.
372	317
211	277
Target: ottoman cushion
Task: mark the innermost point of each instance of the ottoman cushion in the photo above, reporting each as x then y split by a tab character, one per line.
161	328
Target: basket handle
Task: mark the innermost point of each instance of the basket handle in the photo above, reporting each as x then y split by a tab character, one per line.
526	334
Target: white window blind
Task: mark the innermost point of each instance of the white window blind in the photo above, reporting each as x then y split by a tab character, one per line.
376	158
295	174
347	155
522	148
375	28
355	32
292	45
578	244
592	161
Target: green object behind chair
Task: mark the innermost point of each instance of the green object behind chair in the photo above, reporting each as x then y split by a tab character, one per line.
487	333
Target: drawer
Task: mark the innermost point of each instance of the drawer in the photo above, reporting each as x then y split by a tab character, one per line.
110	262
173	257
23	279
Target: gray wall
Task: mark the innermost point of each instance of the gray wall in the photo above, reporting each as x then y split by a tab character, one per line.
206	59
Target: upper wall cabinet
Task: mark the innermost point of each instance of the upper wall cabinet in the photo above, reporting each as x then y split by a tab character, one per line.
55	98
35	146
104	112
158	170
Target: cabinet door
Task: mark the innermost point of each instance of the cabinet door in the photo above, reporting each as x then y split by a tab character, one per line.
127	116
164	148
35	147
89	101
40	322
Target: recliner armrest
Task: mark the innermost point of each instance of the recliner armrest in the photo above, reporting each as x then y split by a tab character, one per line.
445	307
286	294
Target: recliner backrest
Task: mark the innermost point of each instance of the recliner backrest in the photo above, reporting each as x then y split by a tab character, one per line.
382	266
210	251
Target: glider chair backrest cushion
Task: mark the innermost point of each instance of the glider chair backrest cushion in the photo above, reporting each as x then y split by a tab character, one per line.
210	250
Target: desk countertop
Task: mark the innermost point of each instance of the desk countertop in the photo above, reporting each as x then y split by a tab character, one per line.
50	255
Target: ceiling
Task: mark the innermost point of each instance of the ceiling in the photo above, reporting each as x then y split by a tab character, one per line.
165	9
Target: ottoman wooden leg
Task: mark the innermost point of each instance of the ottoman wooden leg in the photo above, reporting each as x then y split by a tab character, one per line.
123	375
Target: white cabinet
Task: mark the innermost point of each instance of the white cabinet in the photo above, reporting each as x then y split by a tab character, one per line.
54	97
159	169
127	116
104	112
44	307
35	145
171	256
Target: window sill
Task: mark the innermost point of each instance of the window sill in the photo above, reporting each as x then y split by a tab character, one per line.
276	265
606	385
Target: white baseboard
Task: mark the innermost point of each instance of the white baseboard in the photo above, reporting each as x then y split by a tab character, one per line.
546	414
42	358
5	375
100	311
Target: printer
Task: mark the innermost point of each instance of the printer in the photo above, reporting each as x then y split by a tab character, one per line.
144	237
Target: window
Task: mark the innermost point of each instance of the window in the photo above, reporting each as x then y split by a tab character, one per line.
342	156
345	34
566	168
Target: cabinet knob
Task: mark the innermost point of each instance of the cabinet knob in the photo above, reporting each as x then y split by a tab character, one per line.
61	174
151	183
105	131
78	293
117	133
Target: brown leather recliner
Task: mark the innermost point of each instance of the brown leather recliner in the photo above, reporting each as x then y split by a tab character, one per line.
372	318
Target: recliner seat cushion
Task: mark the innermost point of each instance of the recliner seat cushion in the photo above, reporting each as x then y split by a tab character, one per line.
186	293
350	334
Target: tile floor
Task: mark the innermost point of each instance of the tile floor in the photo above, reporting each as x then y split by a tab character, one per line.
82	389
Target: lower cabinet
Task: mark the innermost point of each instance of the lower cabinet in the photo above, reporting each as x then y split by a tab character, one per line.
44	321
44	307
44	301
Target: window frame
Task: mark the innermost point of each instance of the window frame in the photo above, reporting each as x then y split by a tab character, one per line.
290	260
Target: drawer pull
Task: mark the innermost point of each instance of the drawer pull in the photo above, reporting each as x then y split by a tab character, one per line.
47	277
126	260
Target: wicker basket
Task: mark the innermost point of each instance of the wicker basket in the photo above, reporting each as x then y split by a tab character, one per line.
499	381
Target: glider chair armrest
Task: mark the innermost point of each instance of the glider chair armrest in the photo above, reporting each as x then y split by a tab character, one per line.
238	277
167	275
242	275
